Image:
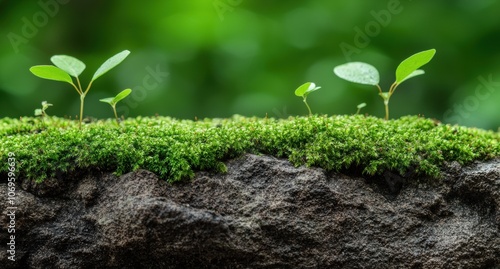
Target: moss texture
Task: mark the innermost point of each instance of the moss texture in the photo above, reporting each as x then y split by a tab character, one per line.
174	149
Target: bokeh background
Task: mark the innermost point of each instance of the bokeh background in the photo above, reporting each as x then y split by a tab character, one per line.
226	57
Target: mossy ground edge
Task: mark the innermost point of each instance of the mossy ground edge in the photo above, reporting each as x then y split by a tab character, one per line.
175	149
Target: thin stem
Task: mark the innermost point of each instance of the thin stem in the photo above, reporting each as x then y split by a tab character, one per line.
79	85
386	103
82	97
116	116
386	99
386	96
393	88
79	91
88	87
82	100
308	108
379	89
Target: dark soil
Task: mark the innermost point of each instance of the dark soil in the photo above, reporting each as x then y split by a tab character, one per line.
264	213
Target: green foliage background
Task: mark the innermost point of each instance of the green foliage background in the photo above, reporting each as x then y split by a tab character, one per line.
248	59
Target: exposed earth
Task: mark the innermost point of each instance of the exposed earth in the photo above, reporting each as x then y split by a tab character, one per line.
263	213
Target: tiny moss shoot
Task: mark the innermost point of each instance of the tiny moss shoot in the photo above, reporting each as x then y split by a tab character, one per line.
68	66
175	149
41	111
367	74
360	106
112	101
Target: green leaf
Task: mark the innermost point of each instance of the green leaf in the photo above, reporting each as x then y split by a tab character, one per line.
45	105
121	95
110	63
358	72
38	112
360	106
51	72
114	100
108	100
412	63
306	89
413	74
70	65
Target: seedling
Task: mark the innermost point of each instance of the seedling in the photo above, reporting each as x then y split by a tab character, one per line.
41	111
66	66
304	90
366	74
360	106
112	101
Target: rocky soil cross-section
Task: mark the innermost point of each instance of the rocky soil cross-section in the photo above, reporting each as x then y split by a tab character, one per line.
263	213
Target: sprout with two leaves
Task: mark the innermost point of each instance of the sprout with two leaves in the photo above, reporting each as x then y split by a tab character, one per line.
66	66
112	101
364	73
304	90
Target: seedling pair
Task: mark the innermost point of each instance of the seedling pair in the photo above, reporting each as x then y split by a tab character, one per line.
363	73
67	67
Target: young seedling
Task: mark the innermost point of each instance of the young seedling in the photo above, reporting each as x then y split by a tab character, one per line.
66	66
304	90
366	74
360	106
112	101
41	111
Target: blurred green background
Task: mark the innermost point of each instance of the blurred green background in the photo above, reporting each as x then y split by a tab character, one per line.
226	57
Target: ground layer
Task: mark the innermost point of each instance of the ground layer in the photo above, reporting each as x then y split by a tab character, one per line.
174	149
263	213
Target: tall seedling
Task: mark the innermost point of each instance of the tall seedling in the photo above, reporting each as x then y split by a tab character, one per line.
66	66
364	73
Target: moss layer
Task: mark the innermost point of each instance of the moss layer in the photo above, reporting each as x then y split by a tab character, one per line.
174	149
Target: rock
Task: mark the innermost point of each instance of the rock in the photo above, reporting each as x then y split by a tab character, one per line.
264	213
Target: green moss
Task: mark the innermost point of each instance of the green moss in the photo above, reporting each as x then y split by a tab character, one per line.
174	149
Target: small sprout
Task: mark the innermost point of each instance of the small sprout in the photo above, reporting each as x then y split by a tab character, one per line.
67	67
366	74
41	111
112	101
304	90
360	106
